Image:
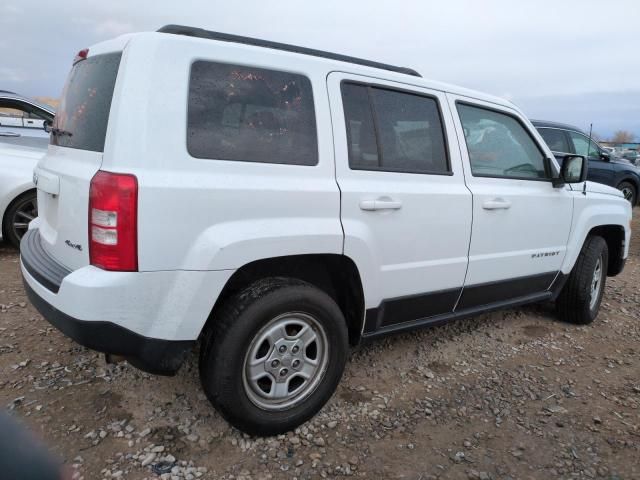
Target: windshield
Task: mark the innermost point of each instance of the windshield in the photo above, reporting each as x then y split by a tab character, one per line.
81	120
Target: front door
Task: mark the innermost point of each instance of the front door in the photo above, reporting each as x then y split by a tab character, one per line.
405	210
521	222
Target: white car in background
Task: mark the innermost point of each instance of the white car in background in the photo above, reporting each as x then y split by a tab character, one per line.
17	192
24	121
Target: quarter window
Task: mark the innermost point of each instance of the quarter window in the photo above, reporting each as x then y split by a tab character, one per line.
251	114
499	146
393	131
556	139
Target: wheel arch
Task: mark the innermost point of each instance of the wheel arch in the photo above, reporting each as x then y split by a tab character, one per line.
635	182
614	235
337	275
13	197
603	215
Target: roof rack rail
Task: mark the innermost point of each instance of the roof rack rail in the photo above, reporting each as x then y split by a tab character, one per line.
226	37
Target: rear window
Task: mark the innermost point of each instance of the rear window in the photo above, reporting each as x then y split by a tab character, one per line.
81	120
250	114
393	131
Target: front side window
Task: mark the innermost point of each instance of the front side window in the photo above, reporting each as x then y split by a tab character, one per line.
556	139
499	146
393	131
582	145
250	114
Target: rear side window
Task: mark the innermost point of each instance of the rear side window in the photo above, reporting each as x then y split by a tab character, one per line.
555	138
250	114
82	117
393	131
499	146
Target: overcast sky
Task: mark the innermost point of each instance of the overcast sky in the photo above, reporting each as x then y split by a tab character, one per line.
576	61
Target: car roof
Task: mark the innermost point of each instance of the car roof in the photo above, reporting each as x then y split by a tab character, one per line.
563	126
333	61
17	96
226	37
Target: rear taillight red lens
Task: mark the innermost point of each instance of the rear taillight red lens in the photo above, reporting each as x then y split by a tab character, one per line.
113	221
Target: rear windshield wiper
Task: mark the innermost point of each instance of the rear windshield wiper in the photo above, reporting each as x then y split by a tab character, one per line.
60	132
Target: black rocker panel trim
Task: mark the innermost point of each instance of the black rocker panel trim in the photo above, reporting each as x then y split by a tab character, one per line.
457	315
437	307
404	309
491	292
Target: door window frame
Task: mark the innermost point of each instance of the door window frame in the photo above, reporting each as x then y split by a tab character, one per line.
372	85
548	171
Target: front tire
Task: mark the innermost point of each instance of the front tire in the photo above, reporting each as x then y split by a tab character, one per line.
274	355
579	301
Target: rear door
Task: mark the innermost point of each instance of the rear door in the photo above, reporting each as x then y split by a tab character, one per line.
405	210
74	156
520	221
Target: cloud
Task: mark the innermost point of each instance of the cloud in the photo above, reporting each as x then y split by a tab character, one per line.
542	49
12	75
607	111
113	28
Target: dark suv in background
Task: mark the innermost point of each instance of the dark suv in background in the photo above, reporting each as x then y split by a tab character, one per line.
603	167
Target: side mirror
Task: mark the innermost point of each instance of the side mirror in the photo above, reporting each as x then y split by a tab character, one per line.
574	169
47	124
605	156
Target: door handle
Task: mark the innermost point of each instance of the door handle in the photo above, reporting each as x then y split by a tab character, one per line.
380	204
496	204
9	134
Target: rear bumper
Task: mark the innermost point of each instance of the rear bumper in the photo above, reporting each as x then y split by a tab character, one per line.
152	319
162	357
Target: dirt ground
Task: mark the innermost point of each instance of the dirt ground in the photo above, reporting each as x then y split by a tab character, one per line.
515	394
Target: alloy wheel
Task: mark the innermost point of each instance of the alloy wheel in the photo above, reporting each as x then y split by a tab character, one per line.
286	361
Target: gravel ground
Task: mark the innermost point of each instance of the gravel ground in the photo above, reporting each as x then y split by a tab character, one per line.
514	394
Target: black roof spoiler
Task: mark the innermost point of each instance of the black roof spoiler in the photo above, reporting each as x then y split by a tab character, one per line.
226	37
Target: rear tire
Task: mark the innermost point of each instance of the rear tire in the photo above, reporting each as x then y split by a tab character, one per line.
629	191
250	368
17	217
580	298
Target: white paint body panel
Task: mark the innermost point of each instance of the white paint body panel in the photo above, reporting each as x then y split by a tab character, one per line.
592	210
200	220
143	302
504	241
421	247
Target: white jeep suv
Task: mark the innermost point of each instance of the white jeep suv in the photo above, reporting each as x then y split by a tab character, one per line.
278	204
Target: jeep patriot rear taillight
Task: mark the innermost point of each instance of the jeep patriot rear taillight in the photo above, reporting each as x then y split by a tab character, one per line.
113	221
